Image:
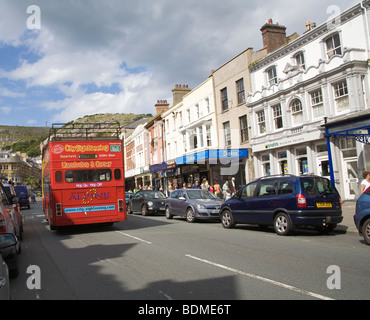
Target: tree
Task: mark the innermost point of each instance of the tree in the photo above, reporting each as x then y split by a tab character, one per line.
30	181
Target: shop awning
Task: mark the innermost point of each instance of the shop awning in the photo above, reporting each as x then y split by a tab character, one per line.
212	154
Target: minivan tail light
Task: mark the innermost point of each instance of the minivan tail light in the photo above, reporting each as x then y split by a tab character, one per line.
301	201
121	207
59	209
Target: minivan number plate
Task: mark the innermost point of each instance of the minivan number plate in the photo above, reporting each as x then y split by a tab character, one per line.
324	204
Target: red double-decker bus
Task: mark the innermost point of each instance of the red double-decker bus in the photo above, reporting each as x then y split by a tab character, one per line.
83	175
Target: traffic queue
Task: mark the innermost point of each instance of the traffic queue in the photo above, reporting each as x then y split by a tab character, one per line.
11	232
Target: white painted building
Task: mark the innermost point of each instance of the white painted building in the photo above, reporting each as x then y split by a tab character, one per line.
190	133
321	75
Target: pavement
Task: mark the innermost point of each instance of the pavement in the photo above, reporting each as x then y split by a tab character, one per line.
348	211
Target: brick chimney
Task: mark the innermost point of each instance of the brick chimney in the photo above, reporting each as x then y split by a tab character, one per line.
161	105
178	92
273	35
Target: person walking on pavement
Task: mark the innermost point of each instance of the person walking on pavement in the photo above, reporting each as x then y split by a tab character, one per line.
366	182
232	186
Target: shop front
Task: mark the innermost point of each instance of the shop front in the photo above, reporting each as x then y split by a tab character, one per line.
216	165
298	155
348	141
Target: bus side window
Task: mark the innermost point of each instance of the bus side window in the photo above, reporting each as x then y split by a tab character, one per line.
58	176
117	174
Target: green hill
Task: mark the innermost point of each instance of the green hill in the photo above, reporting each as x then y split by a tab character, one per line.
28	139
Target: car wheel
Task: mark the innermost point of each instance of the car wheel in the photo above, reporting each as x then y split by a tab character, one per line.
144	211
168	213
190	217
282	224
129	209
366	231
227	220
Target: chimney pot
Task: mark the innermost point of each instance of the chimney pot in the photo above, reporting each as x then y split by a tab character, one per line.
308	26
270	21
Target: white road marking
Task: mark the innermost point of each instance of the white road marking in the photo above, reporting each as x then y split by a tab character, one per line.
136	238
253	276
166	295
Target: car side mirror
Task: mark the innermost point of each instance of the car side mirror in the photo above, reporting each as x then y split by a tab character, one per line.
7	240
15	200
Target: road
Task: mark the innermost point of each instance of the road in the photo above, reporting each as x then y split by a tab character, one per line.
151	258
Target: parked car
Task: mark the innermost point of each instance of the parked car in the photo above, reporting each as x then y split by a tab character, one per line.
10	247
24	198
4	280
9	216
193	204
362	215
147	202
14	200
285	202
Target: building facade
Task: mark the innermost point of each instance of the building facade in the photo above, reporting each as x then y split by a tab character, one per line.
18	168
321	76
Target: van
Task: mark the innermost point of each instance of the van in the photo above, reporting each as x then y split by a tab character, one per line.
22	193
285	202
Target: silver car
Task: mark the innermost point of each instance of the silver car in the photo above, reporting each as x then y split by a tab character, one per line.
4	280
193	204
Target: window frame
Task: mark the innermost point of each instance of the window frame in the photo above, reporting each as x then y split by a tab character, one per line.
335	50
272	75
278	116
224	99
240	90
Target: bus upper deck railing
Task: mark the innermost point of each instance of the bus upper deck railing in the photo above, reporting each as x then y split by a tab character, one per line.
85	131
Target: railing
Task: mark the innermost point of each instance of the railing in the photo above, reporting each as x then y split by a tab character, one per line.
85	131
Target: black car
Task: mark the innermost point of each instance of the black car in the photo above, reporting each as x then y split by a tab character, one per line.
147	202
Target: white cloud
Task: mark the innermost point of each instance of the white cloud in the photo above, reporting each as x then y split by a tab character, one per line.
5	110
160	42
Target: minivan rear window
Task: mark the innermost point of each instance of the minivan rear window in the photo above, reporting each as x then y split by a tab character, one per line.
317	185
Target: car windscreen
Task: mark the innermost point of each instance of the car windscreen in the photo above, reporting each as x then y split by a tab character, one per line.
200	194
154	195
317	185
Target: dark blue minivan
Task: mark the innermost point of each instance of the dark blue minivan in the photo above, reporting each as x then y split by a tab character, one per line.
285	202
22	193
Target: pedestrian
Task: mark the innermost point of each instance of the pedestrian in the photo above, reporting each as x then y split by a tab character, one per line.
227	194
205	184
33	198
225	186
216	188
366	182
211	189
196	185
184	185
232	186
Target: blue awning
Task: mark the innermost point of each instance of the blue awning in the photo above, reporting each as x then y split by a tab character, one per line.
212	154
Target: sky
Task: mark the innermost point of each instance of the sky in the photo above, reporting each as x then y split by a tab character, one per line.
63	59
